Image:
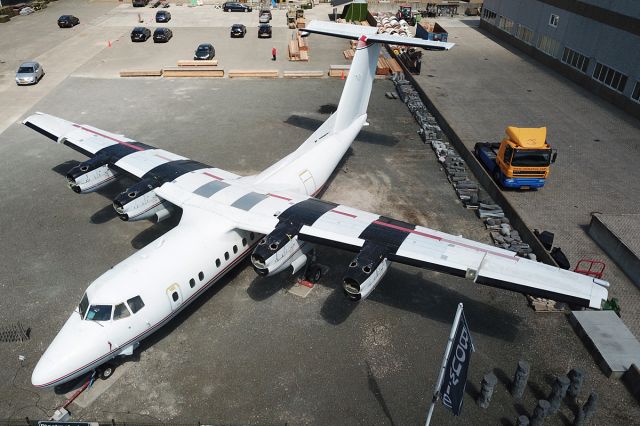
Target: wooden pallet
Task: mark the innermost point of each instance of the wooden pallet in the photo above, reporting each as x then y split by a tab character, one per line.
141	73
253	74
192	72
540	304
338	71
188	63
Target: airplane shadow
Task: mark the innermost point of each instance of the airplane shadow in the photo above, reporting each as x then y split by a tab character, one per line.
407	291
156	230
365	136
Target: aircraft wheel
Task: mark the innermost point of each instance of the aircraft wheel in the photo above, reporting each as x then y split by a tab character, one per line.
314	274
107	371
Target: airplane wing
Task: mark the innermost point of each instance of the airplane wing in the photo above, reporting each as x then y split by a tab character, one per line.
123	154
373	237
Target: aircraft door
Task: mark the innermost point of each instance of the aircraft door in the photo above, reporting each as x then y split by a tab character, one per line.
307	180
175	296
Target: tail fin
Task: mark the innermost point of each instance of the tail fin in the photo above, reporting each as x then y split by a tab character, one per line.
357	89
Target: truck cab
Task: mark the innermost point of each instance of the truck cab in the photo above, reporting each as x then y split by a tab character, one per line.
521	160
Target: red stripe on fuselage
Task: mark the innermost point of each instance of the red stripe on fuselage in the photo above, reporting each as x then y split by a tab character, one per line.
212	175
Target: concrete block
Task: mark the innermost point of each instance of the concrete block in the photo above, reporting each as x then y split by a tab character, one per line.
611	343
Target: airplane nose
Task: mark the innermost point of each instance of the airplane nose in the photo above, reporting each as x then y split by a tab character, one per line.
77	349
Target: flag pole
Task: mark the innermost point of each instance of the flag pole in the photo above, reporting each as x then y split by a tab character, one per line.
436	390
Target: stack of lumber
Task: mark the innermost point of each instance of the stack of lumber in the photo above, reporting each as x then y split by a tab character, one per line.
386	64
303	74
298	49
141	73
192	72
300	23
382	67
338	71
349	54
253	74
189	63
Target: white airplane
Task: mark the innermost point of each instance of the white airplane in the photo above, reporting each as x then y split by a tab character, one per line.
225	217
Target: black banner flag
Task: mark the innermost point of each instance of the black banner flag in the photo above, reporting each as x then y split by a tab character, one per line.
455	374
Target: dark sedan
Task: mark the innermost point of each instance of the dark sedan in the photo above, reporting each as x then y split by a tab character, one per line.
238	30
162	35
140	34
204	52
264	31
232	6
68	21
163	16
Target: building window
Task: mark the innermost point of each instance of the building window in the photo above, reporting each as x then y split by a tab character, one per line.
525	34
505	24
488	14
610	77
575	59
553	20
636	92
548	45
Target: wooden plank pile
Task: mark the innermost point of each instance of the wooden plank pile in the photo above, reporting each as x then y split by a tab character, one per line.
192	72
340	71
303	74
298	49
300	23
540	304
141	73
386	64
253	74
190	63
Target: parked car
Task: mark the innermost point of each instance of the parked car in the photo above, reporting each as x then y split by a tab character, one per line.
266	11
205	52
29	73
264	18
68	21
162	35
232	6
163	16
140	34
264	31
238	30
139	3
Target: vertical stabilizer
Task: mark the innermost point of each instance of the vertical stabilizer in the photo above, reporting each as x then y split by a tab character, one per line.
357	89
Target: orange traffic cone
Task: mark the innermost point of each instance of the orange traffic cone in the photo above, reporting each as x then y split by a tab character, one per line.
342	75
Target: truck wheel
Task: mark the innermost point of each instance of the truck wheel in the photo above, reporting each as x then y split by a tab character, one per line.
496	176
106	371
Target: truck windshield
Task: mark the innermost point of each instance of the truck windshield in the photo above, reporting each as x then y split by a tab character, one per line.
531	158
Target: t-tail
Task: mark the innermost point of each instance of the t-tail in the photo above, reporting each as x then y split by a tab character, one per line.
357	89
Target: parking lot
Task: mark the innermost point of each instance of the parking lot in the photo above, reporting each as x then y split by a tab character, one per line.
248	352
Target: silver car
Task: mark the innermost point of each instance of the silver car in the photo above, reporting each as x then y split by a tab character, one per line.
29	73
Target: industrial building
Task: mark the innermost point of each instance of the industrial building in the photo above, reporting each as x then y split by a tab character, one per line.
595	43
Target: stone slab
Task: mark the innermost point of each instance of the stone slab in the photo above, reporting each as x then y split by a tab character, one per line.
619	237
611	343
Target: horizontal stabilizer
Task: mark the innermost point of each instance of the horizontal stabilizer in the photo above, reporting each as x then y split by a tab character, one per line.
354	32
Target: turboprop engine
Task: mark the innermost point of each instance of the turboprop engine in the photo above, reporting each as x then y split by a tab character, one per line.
90	175
279	250
365	271
140	202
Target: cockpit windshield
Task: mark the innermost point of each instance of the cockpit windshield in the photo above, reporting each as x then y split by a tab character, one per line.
99	313
84	304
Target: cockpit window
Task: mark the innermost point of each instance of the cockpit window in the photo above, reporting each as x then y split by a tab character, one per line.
135	304
120	311
84	304
99	313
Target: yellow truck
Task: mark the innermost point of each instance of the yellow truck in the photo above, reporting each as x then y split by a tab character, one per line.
521	160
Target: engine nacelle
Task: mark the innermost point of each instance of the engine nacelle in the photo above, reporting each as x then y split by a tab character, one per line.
140	202
365	272
90	175
279	250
